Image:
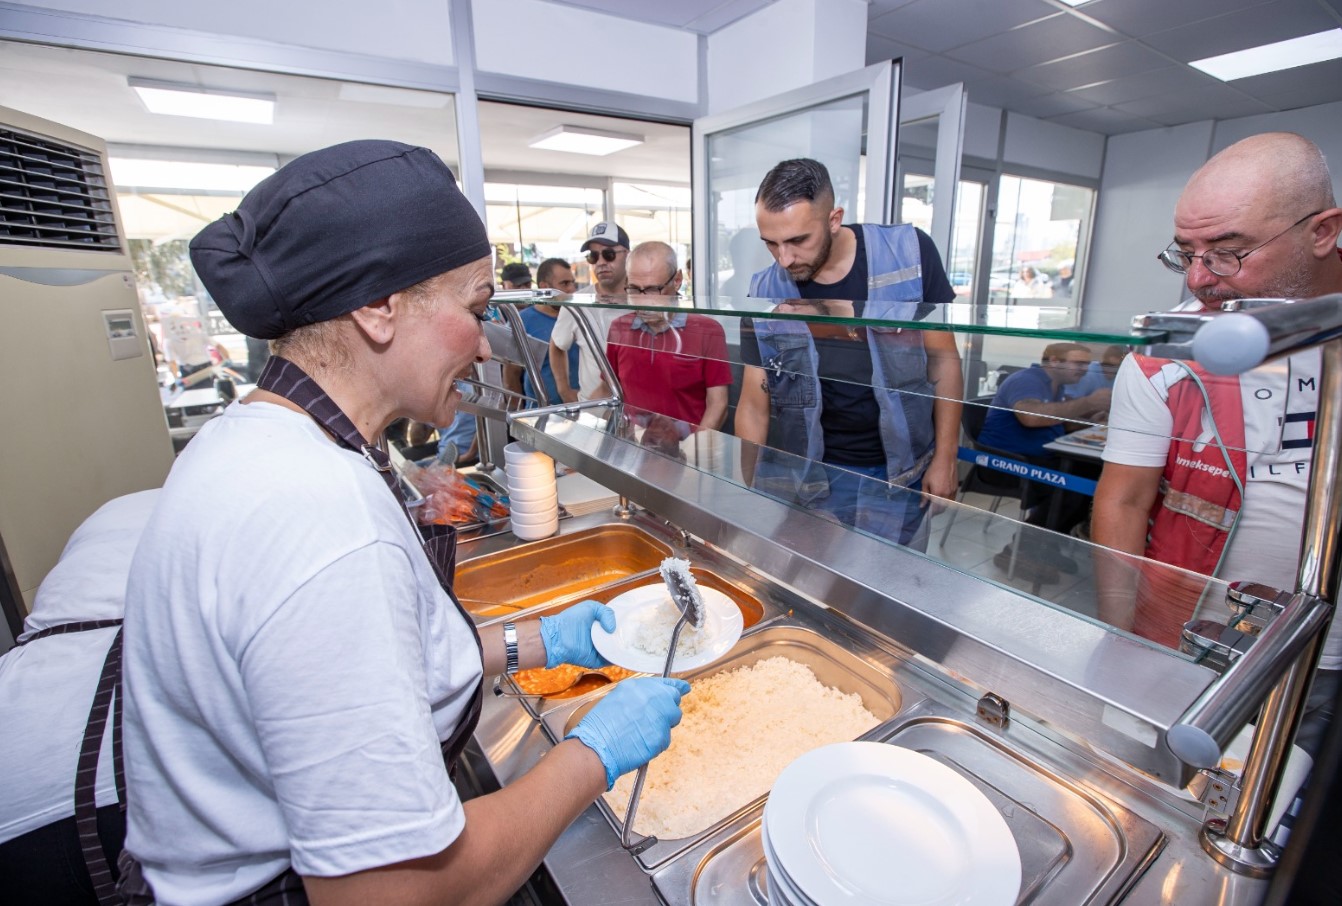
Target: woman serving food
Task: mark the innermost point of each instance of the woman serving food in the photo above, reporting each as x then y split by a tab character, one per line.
299	679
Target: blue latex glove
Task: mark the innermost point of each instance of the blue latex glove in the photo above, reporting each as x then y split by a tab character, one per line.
632	724
568	635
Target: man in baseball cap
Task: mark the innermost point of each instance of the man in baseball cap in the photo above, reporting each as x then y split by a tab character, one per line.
606	248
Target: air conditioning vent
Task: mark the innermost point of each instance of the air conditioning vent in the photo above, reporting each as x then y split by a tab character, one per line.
53	195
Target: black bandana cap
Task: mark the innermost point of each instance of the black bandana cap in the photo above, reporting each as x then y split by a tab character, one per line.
334	230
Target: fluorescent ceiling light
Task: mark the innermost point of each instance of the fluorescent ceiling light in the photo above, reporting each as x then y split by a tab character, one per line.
581	140
1325	45
204	103
185	176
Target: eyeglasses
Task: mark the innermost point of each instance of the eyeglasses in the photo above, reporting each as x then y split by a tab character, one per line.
604	254
649	290
1221	262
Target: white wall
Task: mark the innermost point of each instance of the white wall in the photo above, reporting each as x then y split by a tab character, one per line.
1144	172
1049	146
1033	143
1322	124
573	46
785	45
416	30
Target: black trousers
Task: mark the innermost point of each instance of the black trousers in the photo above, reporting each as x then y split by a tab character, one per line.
45	867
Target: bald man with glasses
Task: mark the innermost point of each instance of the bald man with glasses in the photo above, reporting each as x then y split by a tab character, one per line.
1211	473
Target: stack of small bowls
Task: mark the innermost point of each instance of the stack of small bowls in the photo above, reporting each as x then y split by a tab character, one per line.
532	493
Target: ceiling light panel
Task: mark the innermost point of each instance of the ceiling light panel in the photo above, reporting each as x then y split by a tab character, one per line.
173	99
582	140
1302	51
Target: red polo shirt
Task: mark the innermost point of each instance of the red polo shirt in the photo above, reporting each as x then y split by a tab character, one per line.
669	372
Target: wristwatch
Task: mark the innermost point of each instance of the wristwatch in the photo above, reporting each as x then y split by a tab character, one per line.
510	648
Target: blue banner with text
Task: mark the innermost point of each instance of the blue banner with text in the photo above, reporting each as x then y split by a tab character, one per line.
1051	477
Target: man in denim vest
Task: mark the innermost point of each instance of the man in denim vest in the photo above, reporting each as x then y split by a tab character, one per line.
865	421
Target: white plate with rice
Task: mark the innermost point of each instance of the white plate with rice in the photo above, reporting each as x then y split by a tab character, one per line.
644	620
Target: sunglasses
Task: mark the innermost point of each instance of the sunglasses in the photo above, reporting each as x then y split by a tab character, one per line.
605	254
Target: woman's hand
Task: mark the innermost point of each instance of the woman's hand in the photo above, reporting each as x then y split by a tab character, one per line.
632	724
568	635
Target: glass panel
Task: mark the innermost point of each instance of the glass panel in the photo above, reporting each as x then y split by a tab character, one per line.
1039	233
651	211
833	133
693	387
966	229
530	223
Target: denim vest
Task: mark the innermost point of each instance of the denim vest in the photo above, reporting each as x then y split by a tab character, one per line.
903	392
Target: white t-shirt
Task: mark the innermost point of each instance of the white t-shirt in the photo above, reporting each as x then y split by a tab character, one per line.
566	332
1280	399
46	688
291	664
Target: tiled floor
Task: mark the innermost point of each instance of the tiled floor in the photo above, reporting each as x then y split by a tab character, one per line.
977	535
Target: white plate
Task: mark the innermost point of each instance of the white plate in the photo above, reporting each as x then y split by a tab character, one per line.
781	887
871	823
722	624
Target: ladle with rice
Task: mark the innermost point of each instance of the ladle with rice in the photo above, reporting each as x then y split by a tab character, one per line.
685	595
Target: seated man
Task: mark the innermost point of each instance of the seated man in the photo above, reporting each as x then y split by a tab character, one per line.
1029	411
674	364
1100	375
47	686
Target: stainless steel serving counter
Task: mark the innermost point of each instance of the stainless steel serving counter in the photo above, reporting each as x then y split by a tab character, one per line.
1089	828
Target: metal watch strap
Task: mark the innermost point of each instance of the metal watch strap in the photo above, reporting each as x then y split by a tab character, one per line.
510	648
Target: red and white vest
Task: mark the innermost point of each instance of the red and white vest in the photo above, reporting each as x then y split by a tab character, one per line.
1190	522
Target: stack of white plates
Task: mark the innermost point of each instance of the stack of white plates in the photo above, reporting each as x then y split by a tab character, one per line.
870	823
533	497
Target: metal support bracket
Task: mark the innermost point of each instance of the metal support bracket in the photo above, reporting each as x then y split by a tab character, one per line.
994	710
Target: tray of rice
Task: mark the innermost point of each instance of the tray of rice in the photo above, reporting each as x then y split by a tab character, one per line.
783	691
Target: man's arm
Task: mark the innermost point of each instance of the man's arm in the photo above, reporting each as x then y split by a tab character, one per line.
943	370
559	369
1039	414
715	408
752	418
1123	501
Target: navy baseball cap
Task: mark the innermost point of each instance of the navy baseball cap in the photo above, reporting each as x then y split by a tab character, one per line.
607	232
334	230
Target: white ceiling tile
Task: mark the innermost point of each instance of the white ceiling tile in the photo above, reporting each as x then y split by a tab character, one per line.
1144	17
1105	120
935	71
939	25
1263	24
1054	104
1214	102
881	7
1304	86
996	91
1030	45
1170	80
879	49
1112	62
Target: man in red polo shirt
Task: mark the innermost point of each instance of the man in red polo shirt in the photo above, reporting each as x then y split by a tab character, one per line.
671	363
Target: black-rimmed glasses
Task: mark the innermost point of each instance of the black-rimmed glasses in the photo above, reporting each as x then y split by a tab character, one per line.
604	254
649	290
1221	262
